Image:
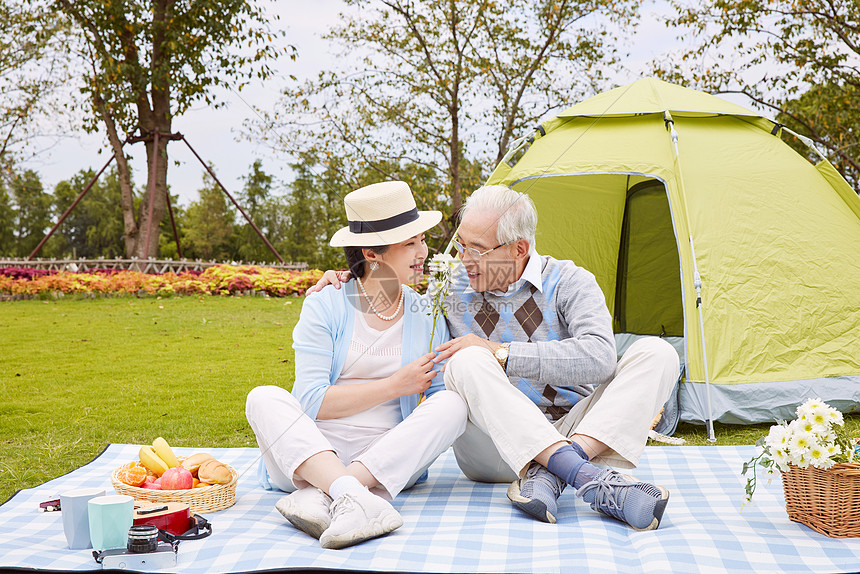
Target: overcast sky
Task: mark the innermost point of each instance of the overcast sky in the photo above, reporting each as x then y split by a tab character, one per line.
214	132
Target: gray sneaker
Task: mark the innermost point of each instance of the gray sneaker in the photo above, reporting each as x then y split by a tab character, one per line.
625	498
537	493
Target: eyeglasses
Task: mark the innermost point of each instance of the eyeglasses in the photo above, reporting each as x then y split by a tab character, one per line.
474	253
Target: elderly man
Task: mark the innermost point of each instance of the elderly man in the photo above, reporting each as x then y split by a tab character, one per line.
534	359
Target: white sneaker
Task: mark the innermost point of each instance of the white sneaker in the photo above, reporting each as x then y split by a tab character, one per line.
307	509
358	516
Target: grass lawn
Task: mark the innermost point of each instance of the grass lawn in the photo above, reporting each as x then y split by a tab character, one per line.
76	375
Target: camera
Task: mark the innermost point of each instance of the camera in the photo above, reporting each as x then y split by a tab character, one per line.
143	551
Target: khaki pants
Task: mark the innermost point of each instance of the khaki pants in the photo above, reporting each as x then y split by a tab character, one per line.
506	430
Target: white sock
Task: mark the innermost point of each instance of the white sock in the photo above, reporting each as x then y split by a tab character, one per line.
345	483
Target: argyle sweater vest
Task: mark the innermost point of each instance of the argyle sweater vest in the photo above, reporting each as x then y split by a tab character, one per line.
552	368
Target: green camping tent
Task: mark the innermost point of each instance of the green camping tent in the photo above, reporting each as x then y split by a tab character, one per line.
651	187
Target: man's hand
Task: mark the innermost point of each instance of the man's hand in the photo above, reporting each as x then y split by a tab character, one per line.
447	350
330	278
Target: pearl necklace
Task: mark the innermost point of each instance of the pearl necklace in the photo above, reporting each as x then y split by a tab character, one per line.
372	308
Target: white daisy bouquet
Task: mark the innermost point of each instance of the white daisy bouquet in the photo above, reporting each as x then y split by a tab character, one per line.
439	287
816	437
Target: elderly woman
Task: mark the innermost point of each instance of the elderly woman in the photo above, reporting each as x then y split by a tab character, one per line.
352	432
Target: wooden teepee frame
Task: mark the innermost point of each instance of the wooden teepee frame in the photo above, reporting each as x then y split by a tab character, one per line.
155	136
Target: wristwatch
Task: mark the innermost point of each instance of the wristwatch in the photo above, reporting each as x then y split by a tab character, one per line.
501	354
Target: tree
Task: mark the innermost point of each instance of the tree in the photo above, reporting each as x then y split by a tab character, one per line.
7	223
32	66
33	217
313	208
790	57
147	61
94	228
255	199
312	211
828	114
445	85
208	224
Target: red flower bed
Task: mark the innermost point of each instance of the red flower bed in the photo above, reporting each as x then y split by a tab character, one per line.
216	280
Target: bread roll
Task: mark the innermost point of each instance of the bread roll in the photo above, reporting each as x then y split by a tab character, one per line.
214	472
193	462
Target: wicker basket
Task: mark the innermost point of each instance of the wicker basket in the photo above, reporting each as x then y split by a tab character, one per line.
828	501
200	500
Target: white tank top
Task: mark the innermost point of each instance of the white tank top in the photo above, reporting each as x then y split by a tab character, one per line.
373	355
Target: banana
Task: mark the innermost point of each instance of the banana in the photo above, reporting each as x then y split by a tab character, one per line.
151	460
163	450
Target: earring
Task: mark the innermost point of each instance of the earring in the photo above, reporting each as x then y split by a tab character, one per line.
374	265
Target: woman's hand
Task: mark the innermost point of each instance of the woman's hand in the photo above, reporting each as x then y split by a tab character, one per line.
330	278
414	377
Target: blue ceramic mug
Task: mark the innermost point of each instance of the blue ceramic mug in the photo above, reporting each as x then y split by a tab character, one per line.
110	518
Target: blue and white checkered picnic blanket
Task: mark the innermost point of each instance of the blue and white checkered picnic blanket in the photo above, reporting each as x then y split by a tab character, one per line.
454	525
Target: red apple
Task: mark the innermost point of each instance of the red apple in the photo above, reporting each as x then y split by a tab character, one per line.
151	485
176	478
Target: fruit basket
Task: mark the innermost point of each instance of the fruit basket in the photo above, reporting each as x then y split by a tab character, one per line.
200	500
828	501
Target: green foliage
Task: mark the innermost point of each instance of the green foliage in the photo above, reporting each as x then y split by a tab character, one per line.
208	224
313	210
33	213
7	222
33	64
143	62
762	460
257	201
94	227
828	112
787	56
140	51
444	85
166	239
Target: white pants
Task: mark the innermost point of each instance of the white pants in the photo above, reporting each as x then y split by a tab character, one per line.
396	457
506	430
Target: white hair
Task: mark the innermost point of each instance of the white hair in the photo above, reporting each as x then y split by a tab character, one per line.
516	212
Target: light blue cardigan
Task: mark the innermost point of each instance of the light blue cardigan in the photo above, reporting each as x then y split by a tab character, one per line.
321	341
322	335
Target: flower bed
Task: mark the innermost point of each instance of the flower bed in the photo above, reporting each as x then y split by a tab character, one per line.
217	280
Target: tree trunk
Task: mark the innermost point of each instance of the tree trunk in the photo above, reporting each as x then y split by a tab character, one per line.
130	228
154	203
155	120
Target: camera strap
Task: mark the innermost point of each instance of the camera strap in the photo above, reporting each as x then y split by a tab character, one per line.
201	529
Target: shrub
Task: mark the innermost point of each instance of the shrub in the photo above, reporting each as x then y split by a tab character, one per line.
216	280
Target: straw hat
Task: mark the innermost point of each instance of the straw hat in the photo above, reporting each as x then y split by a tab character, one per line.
382	214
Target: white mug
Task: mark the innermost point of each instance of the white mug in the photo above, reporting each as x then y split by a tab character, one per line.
75	511
110	518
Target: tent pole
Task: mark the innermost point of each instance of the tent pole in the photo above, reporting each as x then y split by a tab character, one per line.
697	279
697	282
